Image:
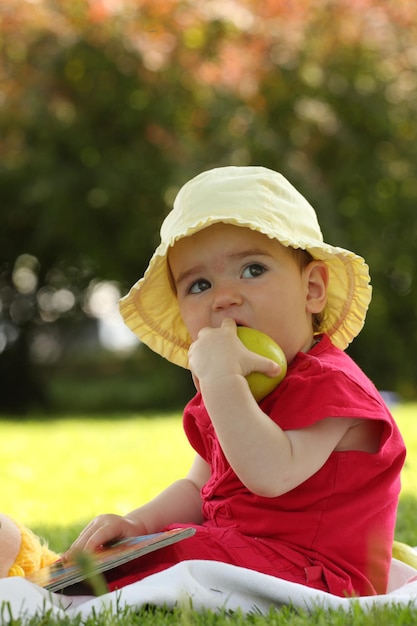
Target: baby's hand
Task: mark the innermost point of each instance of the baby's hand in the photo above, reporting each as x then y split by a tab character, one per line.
218	353
215	352
101	530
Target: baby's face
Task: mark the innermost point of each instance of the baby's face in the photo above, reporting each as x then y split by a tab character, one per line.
229	271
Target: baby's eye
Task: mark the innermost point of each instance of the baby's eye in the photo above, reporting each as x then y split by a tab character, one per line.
200	285
253	270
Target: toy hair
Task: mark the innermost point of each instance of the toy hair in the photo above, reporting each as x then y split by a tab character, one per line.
33	554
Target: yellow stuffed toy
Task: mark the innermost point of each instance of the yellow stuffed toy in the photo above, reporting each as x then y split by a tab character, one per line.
21	551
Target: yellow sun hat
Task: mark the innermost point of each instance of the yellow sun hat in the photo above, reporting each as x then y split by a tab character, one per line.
262	200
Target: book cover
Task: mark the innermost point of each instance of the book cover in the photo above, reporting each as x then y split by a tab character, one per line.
58	576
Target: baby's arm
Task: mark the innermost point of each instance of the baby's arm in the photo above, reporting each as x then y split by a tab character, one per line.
268	460
178	503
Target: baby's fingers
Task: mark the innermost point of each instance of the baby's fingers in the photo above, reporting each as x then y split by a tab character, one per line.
100	531
266	366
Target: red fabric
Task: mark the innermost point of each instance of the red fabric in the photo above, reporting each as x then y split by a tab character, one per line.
226	545
334	531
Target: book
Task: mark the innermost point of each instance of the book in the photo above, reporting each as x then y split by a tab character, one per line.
59	576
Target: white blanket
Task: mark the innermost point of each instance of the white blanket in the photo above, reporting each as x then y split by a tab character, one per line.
201	584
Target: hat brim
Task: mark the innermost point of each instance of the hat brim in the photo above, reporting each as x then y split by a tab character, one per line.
151	311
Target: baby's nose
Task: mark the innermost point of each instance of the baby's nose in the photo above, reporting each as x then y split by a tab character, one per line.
226	295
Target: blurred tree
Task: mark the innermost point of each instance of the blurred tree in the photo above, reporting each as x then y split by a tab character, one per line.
106	108
339	118
81	183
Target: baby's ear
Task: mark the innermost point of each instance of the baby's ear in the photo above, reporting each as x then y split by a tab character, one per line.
317	276
10	541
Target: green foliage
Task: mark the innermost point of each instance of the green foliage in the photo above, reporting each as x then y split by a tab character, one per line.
102	383
103	116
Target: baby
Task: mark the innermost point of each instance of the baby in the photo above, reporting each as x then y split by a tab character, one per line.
303	485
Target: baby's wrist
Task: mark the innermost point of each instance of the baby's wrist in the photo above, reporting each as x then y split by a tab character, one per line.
138	525
222	383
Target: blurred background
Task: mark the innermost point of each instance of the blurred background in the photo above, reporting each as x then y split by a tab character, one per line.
108	106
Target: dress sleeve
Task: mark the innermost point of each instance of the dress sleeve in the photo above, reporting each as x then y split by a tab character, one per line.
313	390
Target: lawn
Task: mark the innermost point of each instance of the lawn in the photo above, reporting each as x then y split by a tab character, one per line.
56	475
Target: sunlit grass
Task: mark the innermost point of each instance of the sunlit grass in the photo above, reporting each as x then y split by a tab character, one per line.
406	418
64	472
59	474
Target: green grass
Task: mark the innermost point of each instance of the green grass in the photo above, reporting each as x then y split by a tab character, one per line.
286	616
57	475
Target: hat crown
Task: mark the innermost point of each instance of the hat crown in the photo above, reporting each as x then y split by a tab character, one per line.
264	201
254	197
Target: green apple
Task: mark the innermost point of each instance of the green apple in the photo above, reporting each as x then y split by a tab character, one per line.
256	341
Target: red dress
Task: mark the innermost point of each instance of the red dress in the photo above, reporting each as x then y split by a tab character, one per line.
334	531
